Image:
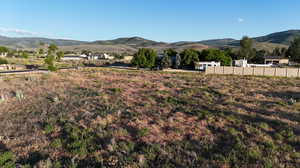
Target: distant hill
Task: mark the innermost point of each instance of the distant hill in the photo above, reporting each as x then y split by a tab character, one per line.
218	42
131	41
35	42
131	44
284	37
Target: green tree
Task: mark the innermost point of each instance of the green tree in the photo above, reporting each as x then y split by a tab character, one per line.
259	57
165	61
59	55
216	55
4	49
144	58
246	50
3	61
171	52
294	50
189	57
41	51
52	48
50	62
25	55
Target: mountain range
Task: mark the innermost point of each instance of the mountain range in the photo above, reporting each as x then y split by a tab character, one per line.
131	44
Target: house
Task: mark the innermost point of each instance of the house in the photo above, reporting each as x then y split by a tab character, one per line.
244	63
106	56
128	58
3	54
202	66
276	60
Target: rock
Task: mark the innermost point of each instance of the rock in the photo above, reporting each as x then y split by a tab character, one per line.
141	159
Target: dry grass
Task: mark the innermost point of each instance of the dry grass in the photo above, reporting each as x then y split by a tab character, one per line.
104	117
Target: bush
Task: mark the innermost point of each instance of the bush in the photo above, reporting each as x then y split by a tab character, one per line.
189	57
7	160
144	58
216	55
3	61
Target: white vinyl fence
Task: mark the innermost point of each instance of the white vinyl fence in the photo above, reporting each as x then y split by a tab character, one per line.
257	71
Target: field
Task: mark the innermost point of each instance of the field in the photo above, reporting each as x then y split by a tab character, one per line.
100	117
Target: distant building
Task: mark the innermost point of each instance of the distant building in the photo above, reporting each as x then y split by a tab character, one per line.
202	66
72	58
106	56
244	63
128	58
276	60
241	63
4	54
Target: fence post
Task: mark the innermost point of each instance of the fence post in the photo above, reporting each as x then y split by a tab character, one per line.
243	72
223	70
253	70
286	72
264	71
298	75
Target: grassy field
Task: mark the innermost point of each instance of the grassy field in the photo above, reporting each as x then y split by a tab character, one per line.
109	118
40	63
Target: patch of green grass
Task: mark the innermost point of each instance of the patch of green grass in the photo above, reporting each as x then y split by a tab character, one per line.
49	128
116	90
143	132
7	160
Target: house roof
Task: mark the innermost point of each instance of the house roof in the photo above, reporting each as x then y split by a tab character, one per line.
275	57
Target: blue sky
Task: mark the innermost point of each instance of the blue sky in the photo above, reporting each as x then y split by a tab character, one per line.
161	20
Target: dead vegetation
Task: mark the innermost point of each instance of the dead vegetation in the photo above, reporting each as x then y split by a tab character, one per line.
109	118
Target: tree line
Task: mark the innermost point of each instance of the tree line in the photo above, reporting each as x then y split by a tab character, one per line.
148	58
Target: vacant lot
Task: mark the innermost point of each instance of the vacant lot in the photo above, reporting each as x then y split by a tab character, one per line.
109	118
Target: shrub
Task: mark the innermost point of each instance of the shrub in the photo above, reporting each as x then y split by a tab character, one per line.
7	160
3	61
189	57
144	58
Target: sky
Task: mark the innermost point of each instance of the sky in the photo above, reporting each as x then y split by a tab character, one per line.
160	20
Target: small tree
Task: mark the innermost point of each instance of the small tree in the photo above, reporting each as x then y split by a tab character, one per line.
3	61
50	62
189	57
3	49
25	55
177	61
166	61
294	50
59	55
52	48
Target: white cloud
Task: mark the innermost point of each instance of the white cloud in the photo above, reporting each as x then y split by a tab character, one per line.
17	31
240	20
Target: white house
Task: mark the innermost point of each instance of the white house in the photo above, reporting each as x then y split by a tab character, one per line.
3	54
244	63
202	66
106	56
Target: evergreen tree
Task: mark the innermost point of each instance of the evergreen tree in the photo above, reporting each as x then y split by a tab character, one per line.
294	50
144	58
246	50
189	57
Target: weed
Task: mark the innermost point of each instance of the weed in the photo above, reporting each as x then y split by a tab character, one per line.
7	160
143	132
